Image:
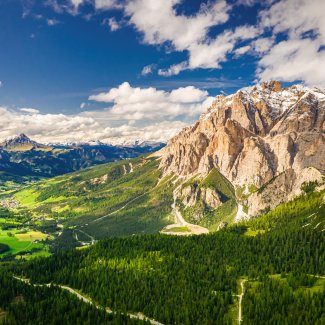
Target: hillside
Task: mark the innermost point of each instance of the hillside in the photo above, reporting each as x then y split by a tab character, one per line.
115	242
204	276
207	177
117	199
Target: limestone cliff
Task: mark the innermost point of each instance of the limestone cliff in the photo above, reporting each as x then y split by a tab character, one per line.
256	135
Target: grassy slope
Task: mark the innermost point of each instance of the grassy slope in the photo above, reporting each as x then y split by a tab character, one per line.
22	242
225	212
106	200
110	200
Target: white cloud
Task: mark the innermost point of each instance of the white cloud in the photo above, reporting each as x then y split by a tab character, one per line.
188	94
295	17
113	24
70	6
63	128
294	60
173	69
148	69
52	22
77	3
300	56
152	104
1	83
210	55
136	113
30	110
263	45
242	50
83	105
106	4
248	3
45	127
159	23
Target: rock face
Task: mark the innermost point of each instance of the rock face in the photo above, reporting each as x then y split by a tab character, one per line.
191	194
284	187
21	142
253	136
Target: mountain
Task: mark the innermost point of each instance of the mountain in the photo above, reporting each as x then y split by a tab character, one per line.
251	152
24	157
259	152
267	141
22	143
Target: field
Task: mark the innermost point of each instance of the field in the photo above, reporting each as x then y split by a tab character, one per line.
22	243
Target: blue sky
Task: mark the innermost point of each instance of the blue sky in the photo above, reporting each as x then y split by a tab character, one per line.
59	58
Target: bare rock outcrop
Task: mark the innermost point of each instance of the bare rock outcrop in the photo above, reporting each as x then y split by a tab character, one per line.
252	137
284	187
191	194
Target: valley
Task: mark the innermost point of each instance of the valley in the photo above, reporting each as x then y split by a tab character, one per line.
222	223
149	273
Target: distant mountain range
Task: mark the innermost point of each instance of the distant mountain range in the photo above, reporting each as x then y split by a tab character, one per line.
23	156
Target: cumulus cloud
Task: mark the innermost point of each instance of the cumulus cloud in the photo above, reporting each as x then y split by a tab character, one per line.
159	23
294	60
133	113
263	45
151	104
56	128
77	3
301	55
45	127
281	25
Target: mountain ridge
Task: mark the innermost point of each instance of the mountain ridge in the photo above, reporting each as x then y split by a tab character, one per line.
23	156
252	137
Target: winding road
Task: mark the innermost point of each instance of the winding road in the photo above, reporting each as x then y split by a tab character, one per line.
86	300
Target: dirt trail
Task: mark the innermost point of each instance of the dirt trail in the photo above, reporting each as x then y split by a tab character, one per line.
86	300
241	296
181	222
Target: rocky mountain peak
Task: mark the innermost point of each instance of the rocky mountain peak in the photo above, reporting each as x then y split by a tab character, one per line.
21	138
253	136
22	142
272	85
